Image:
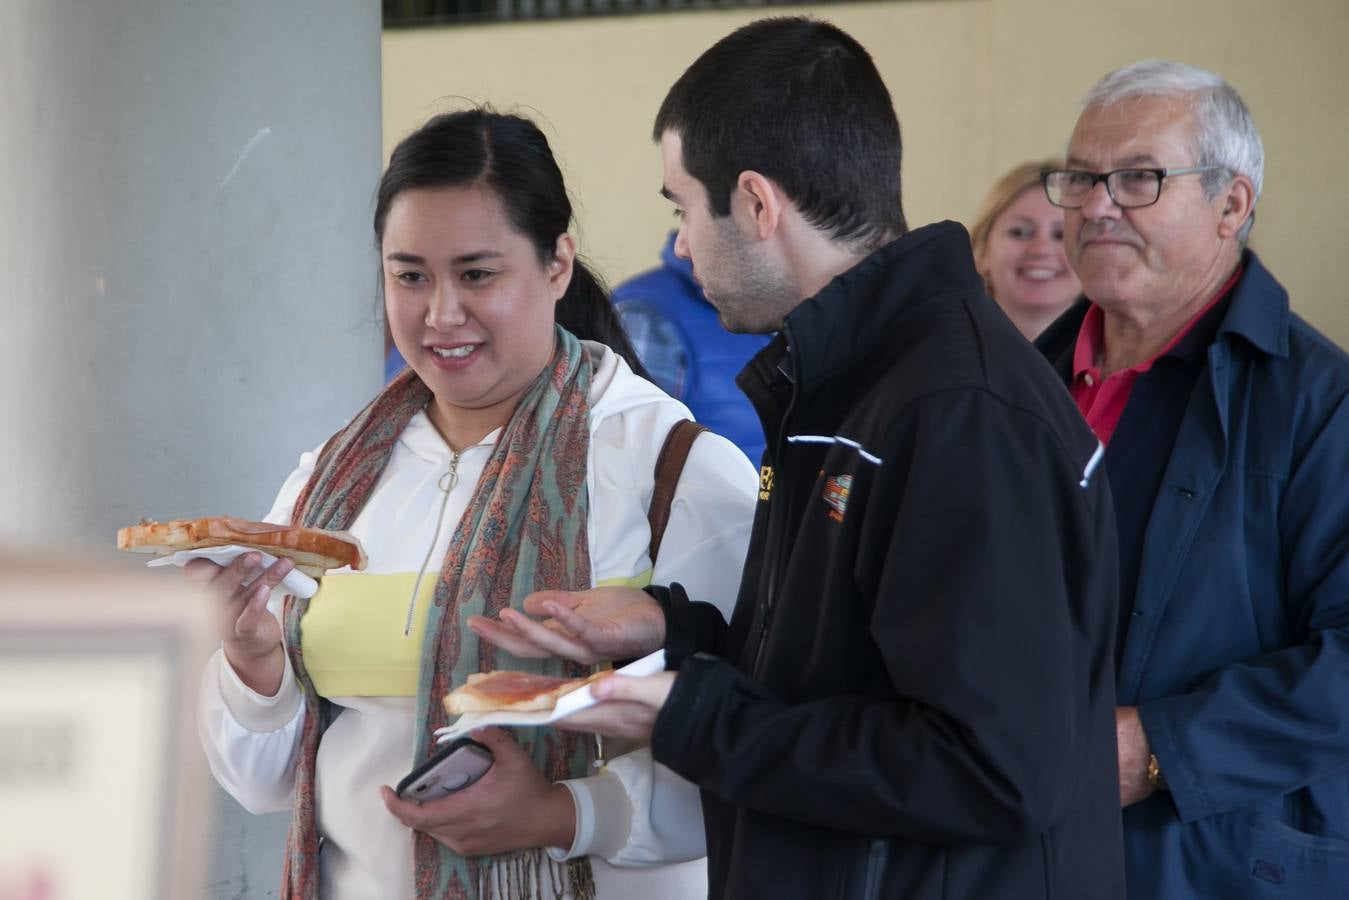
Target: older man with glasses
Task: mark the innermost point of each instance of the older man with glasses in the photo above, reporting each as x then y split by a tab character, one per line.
1226	424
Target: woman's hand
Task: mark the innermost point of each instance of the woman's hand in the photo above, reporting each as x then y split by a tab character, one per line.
512	807
591	626
249	631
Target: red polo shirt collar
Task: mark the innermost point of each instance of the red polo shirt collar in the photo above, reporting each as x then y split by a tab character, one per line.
1102	400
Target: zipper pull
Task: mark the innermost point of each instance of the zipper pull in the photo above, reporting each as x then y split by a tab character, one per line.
450	478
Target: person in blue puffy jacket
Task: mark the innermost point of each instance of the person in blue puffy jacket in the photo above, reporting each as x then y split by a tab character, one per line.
686	350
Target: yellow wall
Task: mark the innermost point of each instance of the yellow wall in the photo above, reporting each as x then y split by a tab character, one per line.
978	85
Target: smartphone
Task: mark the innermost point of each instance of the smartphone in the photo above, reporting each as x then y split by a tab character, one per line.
452	768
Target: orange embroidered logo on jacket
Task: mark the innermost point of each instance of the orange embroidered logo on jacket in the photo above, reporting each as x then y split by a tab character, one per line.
836	490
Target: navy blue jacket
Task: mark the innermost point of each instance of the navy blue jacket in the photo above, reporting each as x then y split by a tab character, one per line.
679	339
1237	652
914	698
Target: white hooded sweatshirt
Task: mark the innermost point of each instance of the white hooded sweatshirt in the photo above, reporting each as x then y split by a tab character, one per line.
639	822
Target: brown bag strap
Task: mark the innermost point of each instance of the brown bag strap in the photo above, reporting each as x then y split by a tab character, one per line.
669	465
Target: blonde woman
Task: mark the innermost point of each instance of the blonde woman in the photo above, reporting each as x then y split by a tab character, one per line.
1018	248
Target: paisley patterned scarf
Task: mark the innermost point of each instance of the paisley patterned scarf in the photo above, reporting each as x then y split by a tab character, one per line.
524	530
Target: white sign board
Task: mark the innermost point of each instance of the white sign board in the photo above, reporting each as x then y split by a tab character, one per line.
102	785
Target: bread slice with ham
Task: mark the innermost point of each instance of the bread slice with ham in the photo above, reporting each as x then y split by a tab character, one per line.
313	550
514	691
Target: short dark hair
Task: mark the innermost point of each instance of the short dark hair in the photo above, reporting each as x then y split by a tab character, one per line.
801	102
509	154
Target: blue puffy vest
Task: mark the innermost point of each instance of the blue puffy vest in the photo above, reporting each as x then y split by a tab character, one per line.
689	354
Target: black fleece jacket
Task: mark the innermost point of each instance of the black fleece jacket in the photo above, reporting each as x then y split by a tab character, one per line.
915	696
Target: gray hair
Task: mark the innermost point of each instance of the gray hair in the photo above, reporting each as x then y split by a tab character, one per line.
1225	136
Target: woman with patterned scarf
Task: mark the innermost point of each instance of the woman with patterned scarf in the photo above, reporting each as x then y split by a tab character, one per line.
510	457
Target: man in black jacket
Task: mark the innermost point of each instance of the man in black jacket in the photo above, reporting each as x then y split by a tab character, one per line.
915	696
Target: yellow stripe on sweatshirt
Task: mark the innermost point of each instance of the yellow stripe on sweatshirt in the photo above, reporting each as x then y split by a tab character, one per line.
352	634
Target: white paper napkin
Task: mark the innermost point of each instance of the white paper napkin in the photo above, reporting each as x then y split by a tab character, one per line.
295	582
567	704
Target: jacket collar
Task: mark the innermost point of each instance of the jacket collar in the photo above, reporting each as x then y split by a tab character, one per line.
1259	311
854	317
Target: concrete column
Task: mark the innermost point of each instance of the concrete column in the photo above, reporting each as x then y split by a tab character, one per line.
188	279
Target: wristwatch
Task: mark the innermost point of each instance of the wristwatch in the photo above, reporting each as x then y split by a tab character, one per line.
1155	776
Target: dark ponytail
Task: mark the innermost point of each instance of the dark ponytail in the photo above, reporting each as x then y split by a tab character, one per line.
511	155
586	311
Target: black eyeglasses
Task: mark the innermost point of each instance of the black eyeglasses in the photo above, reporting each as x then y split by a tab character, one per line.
1128	188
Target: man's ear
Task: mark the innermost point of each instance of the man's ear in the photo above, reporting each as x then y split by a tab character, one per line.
560	266
1238	204
761	201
